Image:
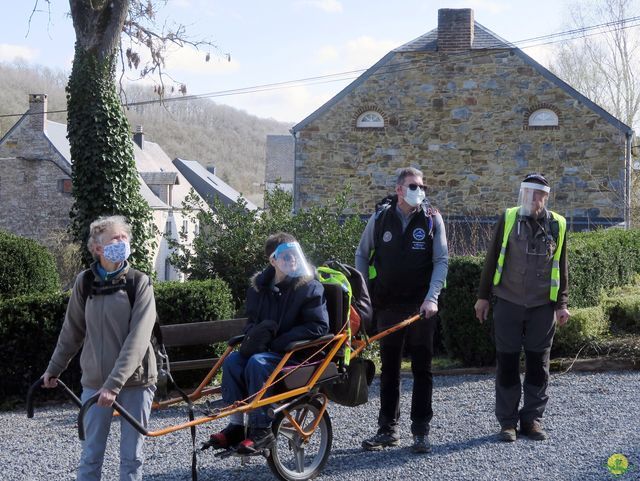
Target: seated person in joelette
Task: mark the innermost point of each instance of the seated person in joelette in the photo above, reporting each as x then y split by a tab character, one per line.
285	303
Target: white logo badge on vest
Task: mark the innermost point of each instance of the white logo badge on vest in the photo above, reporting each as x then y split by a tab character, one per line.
419	234
419	243
387	236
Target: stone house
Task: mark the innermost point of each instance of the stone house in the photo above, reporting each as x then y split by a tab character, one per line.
35	183
475	114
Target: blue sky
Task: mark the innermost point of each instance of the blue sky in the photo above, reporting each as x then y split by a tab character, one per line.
274	41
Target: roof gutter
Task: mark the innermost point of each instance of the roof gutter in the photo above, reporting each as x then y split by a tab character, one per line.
627	187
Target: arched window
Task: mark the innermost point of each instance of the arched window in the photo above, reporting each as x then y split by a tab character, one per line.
543	118
370	119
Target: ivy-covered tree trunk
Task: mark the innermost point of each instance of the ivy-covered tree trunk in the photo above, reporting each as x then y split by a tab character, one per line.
105	179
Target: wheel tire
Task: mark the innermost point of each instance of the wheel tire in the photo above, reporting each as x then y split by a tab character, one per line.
290	459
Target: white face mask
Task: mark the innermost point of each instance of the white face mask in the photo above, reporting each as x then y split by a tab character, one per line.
414	197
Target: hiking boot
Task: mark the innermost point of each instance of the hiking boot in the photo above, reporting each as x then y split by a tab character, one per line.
258	440
507	434
421	444
533	431
381	440
229	436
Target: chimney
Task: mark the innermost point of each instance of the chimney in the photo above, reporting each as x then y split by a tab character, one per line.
138	136
455	29
37	112
212	169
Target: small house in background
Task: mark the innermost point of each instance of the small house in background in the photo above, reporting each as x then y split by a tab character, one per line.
476	114
208	185
35	183
279	162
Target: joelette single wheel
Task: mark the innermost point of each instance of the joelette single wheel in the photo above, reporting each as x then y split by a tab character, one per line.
295	456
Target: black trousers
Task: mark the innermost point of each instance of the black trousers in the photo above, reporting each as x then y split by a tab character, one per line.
419	339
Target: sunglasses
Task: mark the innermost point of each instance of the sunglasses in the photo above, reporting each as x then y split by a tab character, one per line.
415	186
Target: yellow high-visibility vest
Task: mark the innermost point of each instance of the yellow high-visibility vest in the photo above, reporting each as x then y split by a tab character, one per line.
510	218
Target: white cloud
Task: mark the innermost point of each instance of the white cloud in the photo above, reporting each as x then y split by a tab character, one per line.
10	52
364	51
188	59
327	53
358	53
543	54
330	6
491	6
181	3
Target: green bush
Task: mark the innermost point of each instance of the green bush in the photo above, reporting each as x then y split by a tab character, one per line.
231	240
26	267
623	313
586	325
29	328
600	261
464	337
30	325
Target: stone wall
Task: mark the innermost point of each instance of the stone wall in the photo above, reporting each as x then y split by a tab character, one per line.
32	203
461	119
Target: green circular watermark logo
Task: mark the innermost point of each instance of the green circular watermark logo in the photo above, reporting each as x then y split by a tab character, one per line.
618	464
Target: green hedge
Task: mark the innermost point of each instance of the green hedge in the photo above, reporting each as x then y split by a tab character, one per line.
26	267
29	328
623	313
599	261
464	337
586	325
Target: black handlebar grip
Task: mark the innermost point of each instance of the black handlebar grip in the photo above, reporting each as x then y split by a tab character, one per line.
122	411
38	384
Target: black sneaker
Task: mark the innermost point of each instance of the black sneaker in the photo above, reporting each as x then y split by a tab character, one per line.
421	444
259	439
229	436
381	440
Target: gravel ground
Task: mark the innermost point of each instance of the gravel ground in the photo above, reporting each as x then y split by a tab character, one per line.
589	418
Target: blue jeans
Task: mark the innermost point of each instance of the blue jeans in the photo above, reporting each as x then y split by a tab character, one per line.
242	377
97	423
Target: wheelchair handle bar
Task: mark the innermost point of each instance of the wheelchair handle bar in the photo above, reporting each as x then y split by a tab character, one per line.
122	411
38	384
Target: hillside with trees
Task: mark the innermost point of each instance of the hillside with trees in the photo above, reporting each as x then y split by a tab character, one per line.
229	139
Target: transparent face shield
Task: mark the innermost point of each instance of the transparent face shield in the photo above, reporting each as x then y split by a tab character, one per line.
532	198
290	259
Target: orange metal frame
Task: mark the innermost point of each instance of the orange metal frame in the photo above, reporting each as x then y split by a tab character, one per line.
260	399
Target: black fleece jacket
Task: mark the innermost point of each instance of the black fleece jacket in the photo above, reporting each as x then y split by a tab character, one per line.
297	305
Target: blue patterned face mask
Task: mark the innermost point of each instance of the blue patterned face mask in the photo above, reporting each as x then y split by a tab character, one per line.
117	252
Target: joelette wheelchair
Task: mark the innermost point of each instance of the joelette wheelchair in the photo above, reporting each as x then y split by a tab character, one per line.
297	395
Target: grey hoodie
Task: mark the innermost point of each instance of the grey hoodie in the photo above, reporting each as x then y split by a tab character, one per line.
115	338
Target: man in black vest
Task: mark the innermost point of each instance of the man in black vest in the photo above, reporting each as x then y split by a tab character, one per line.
403	252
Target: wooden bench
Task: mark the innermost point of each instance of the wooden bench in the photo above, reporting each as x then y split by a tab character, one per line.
200	333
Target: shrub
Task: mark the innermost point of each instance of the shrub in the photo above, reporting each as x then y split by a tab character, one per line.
231	240
586	325
30	325
623	313
464	337
29	328
600	261
26	267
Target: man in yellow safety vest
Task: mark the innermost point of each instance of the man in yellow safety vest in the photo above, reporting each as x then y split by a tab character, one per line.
526	270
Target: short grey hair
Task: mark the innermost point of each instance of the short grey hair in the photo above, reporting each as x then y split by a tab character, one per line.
104	224
408	172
